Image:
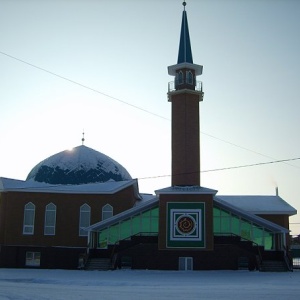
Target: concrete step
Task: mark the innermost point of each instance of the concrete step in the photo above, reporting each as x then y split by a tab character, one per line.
273	266
100	264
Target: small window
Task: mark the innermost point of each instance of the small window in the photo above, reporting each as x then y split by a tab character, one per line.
107	212
189	77
33	259
185	264
180	77
29	214
50	219
84	219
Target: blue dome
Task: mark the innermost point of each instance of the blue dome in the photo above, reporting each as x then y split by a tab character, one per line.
78	166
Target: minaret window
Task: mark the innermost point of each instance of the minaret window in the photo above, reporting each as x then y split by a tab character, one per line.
180	77
189	77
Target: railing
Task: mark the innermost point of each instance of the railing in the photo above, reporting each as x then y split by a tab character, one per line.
172	86
230	234
113	255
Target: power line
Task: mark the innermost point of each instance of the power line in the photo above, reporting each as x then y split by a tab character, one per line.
131	105
227	168
84	86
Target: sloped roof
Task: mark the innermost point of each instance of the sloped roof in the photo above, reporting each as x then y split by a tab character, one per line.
109	187
249	216
153	202
260	205
186	189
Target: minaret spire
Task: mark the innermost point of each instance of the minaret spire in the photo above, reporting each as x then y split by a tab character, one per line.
185	49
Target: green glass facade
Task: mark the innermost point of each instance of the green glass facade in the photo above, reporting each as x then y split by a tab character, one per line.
143	222
224	222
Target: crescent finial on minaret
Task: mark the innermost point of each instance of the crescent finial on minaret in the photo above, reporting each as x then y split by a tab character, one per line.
184	4
82	140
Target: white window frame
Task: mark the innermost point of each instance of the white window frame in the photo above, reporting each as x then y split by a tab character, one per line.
29	217
189	77
50	221
180	77
185	264
84	219
107	211
33	259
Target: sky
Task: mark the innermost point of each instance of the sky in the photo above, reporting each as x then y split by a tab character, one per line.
101	67
23	284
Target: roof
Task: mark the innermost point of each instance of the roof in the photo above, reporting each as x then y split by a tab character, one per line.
195	189
185	57
146	205
249	216
79	165
260	205
124	215
185	49
109	187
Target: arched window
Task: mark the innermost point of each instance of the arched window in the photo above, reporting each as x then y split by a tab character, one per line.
50	219
180	77
84	219
107	211
189	77
29	214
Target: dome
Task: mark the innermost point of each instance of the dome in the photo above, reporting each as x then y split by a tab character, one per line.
78	166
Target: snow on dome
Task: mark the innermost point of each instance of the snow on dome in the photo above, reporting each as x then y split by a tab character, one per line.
78	166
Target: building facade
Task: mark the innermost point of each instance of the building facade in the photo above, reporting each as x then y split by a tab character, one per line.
81	209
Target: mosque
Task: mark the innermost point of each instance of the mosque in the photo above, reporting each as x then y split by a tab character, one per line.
81	209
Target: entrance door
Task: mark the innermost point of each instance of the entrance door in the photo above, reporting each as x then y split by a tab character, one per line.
185	264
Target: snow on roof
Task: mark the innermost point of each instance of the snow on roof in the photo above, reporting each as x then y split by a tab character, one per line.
78	166
186	189
263	205
109	187
249	216
123	215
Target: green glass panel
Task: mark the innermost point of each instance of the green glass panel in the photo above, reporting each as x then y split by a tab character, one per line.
268	241
217	225
146	213
136	224
258	234
154	224
113	234
102	238
225	225
225	214
155	212
216	212
145	223
125	230
246	230
235	225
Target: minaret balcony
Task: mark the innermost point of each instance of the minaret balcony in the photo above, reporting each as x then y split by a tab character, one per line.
175	88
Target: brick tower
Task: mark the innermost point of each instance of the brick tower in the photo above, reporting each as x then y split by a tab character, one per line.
185	93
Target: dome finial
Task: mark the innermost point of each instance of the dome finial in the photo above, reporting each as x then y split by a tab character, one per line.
82	140
184	4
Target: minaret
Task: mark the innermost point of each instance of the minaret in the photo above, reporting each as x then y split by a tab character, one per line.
185	93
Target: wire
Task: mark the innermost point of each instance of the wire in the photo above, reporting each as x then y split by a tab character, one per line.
84	86
131	105
227	168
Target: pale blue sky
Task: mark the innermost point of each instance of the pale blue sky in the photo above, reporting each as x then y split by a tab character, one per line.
249	50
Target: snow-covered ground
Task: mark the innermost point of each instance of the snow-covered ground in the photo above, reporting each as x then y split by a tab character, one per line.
154	285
